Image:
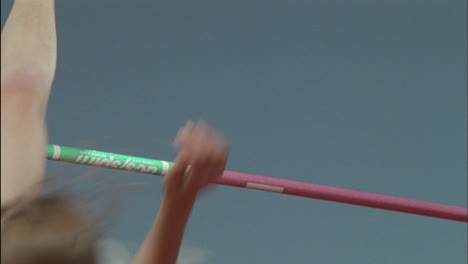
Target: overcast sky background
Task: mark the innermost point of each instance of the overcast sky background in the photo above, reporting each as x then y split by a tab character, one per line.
360	94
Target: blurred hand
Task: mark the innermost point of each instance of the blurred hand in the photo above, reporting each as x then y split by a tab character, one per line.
202	158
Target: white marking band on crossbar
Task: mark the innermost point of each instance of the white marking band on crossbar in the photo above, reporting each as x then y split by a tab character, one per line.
56	154
264	187
165	167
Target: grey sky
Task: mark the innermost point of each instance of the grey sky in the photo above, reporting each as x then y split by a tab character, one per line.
366	95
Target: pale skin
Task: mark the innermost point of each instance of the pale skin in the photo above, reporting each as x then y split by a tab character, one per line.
29	53
28	62
205	151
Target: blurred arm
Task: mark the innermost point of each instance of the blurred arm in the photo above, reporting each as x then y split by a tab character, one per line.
28	59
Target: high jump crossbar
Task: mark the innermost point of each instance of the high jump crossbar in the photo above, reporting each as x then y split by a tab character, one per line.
270	184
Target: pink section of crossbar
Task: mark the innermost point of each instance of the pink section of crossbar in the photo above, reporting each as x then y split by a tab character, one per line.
340	195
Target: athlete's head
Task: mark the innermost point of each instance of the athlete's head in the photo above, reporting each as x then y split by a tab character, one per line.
49	229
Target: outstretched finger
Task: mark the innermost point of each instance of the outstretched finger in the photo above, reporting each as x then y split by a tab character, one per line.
183	135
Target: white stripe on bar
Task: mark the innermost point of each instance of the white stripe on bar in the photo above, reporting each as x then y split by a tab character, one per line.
264	187
56	154
165	167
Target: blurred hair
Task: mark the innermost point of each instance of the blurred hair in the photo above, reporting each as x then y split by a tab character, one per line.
49	229
59	227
